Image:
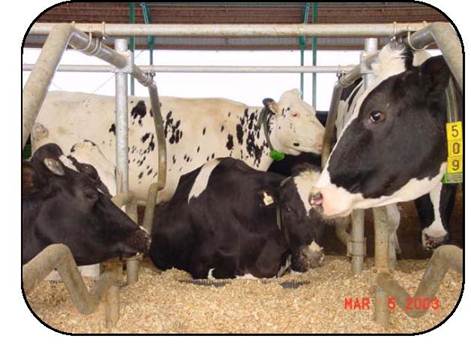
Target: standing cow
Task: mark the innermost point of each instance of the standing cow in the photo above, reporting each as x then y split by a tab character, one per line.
227	219
196	131
62	205
393	149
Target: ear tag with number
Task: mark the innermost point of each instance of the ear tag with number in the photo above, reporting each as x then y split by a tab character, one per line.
267	199
454	168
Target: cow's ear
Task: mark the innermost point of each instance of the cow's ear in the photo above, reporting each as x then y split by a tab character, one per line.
271	105
29	178
267	197
435	76
54	166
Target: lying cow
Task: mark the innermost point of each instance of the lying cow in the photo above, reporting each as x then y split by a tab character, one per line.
62	205
227	219
196	131
393	148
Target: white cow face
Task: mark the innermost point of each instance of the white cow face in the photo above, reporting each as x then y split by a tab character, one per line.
295	128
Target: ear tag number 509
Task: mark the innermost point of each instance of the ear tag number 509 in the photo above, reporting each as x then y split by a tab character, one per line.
454	170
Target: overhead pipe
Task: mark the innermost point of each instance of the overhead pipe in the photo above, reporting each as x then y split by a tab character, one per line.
339	69
315	10
132	40
447	40
61	35
239	30
59	257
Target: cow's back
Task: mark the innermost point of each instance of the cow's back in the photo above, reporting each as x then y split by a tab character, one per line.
196	131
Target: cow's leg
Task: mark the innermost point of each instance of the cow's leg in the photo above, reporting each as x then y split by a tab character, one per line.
201	263
269	260
226	266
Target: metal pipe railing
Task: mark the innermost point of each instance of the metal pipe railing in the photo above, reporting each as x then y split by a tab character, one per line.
239	30
447	40
36	86
443	258
340	69
59	256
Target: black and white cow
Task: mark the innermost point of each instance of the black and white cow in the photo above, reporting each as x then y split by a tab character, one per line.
73	207
227	219
393	148
196	131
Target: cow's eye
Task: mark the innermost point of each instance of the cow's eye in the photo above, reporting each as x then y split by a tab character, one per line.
376	116
91	195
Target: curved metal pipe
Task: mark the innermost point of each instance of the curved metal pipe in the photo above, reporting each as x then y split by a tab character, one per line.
59	256
443	258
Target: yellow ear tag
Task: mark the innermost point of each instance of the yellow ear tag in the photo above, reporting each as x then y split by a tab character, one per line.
454	168
267	199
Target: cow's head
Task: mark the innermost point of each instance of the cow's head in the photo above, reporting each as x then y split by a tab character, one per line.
303	226
62	205
393	149
294	125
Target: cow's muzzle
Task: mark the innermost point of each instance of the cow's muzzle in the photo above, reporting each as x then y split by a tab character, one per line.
305	258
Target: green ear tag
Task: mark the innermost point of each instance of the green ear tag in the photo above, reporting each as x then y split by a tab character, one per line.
277	155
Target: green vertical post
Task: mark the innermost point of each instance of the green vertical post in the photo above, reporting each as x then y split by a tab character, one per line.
150	39
132	40
315	10
302	46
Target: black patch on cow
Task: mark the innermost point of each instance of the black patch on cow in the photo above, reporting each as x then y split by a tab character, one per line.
172	129
112	129
230	142
89	141
140	175
174	160
139	111
240	134
149	172
151	146
151	113
222	128
207	159
145	137
204	130
198	149
212	155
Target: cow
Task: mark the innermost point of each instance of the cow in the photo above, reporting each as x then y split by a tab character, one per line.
69	206
196	131
393	148
227	220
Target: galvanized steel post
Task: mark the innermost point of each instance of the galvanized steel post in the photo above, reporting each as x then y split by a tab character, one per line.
358	216
122	166
121	119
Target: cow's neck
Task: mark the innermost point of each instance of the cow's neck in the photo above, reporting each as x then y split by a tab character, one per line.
254	148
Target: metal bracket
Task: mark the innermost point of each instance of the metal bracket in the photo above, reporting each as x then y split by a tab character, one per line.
129	63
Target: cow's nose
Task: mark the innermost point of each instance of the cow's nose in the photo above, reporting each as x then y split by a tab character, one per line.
431	242
313	258
315	200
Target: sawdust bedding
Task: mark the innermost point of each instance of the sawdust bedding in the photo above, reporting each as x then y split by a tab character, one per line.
312	302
